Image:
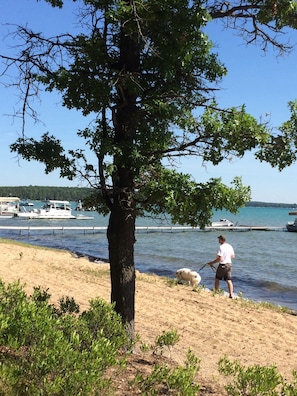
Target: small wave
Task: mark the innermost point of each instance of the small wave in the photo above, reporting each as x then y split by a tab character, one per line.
160	272
277	287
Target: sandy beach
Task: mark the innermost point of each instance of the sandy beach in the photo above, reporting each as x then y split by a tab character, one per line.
213	326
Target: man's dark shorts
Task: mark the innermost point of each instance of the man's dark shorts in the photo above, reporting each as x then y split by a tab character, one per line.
224	271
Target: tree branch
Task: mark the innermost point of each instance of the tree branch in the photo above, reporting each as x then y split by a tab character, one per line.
245	18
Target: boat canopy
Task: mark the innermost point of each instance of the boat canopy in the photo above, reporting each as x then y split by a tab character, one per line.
9	199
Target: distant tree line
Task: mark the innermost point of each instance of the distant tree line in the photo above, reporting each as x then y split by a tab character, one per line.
40	193
270	204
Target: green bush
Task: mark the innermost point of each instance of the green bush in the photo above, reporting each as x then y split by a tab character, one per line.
165	380
166	339
51	351
256	380
43	353
103	322
290	389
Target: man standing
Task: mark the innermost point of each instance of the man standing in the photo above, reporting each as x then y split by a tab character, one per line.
224	257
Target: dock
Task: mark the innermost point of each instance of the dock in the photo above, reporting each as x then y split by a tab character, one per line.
139	229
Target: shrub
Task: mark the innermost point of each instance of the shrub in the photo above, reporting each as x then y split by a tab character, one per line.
165	380
290	389
44	353
250	381
166	339
103	321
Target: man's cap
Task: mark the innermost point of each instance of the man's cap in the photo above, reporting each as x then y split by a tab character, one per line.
222	237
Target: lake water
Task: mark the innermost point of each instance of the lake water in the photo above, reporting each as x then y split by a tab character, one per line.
264	268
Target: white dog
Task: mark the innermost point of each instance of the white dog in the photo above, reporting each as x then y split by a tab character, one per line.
188	276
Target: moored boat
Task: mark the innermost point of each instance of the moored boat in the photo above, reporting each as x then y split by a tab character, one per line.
222	223
292	225
52	209
9	207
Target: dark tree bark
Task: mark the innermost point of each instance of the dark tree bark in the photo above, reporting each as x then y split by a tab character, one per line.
121	228
121	231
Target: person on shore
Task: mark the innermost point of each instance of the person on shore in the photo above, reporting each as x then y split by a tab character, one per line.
225	254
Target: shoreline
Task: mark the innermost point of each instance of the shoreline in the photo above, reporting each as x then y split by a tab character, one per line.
100	260
264	272
223	293
213	326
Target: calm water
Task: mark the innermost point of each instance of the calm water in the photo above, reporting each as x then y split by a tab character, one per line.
264	268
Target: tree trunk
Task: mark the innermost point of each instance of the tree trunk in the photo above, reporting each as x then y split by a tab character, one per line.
121	238
121	228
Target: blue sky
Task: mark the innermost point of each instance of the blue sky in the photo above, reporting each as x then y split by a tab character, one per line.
262	81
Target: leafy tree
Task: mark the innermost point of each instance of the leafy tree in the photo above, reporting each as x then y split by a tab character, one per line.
147	72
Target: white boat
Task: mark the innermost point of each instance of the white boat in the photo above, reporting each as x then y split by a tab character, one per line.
9	207
222	223
52	209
